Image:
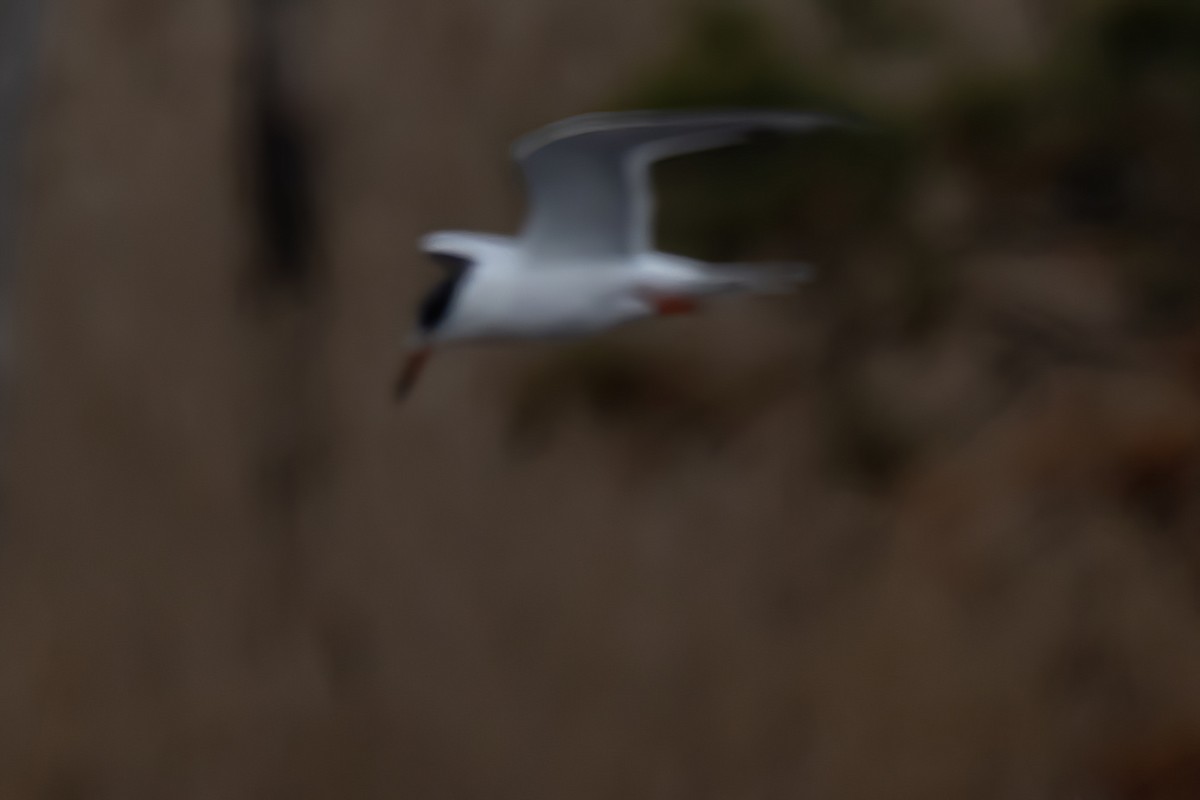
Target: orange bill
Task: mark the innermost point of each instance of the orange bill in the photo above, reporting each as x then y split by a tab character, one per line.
414	364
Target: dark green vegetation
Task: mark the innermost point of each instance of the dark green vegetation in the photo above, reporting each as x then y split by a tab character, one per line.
1101	142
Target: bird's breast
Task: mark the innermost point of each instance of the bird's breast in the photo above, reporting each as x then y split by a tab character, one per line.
552	302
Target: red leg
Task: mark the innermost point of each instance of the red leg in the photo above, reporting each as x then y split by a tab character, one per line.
670	306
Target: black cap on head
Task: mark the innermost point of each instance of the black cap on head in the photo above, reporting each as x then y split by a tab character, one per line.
437	303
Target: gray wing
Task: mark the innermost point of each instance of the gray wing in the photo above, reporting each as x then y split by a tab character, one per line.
588	177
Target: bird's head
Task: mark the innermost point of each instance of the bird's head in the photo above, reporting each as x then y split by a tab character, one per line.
435	313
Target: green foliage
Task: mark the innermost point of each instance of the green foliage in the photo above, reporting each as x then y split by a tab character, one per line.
988	119
725	204
1138	37
1092	138
728	59
808	197
880	24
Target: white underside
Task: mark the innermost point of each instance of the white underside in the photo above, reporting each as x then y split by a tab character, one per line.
507	298
584	261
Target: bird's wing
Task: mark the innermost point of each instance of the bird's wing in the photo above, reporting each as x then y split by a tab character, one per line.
588	177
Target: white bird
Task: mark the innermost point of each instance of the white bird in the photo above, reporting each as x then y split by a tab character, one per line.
585	260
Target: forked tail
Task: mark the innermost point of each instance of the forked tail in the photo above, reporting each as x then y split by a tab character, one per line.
759	278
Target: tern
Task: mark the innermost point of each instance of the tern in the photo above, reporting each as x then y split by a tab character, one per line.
585	260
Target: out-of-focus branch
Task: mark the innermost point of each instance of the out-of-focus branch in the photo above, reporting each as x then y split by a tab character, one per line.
281	157
284	223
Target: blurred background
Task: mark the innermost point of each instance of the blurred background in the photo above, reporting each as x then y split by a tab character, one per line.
928	529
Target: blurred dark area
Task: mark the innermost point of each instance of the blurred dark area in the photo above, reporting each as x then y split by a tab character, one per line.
929	528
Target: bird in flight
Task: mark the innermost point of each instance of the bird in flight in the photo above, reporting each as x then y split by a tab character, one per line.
585	260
